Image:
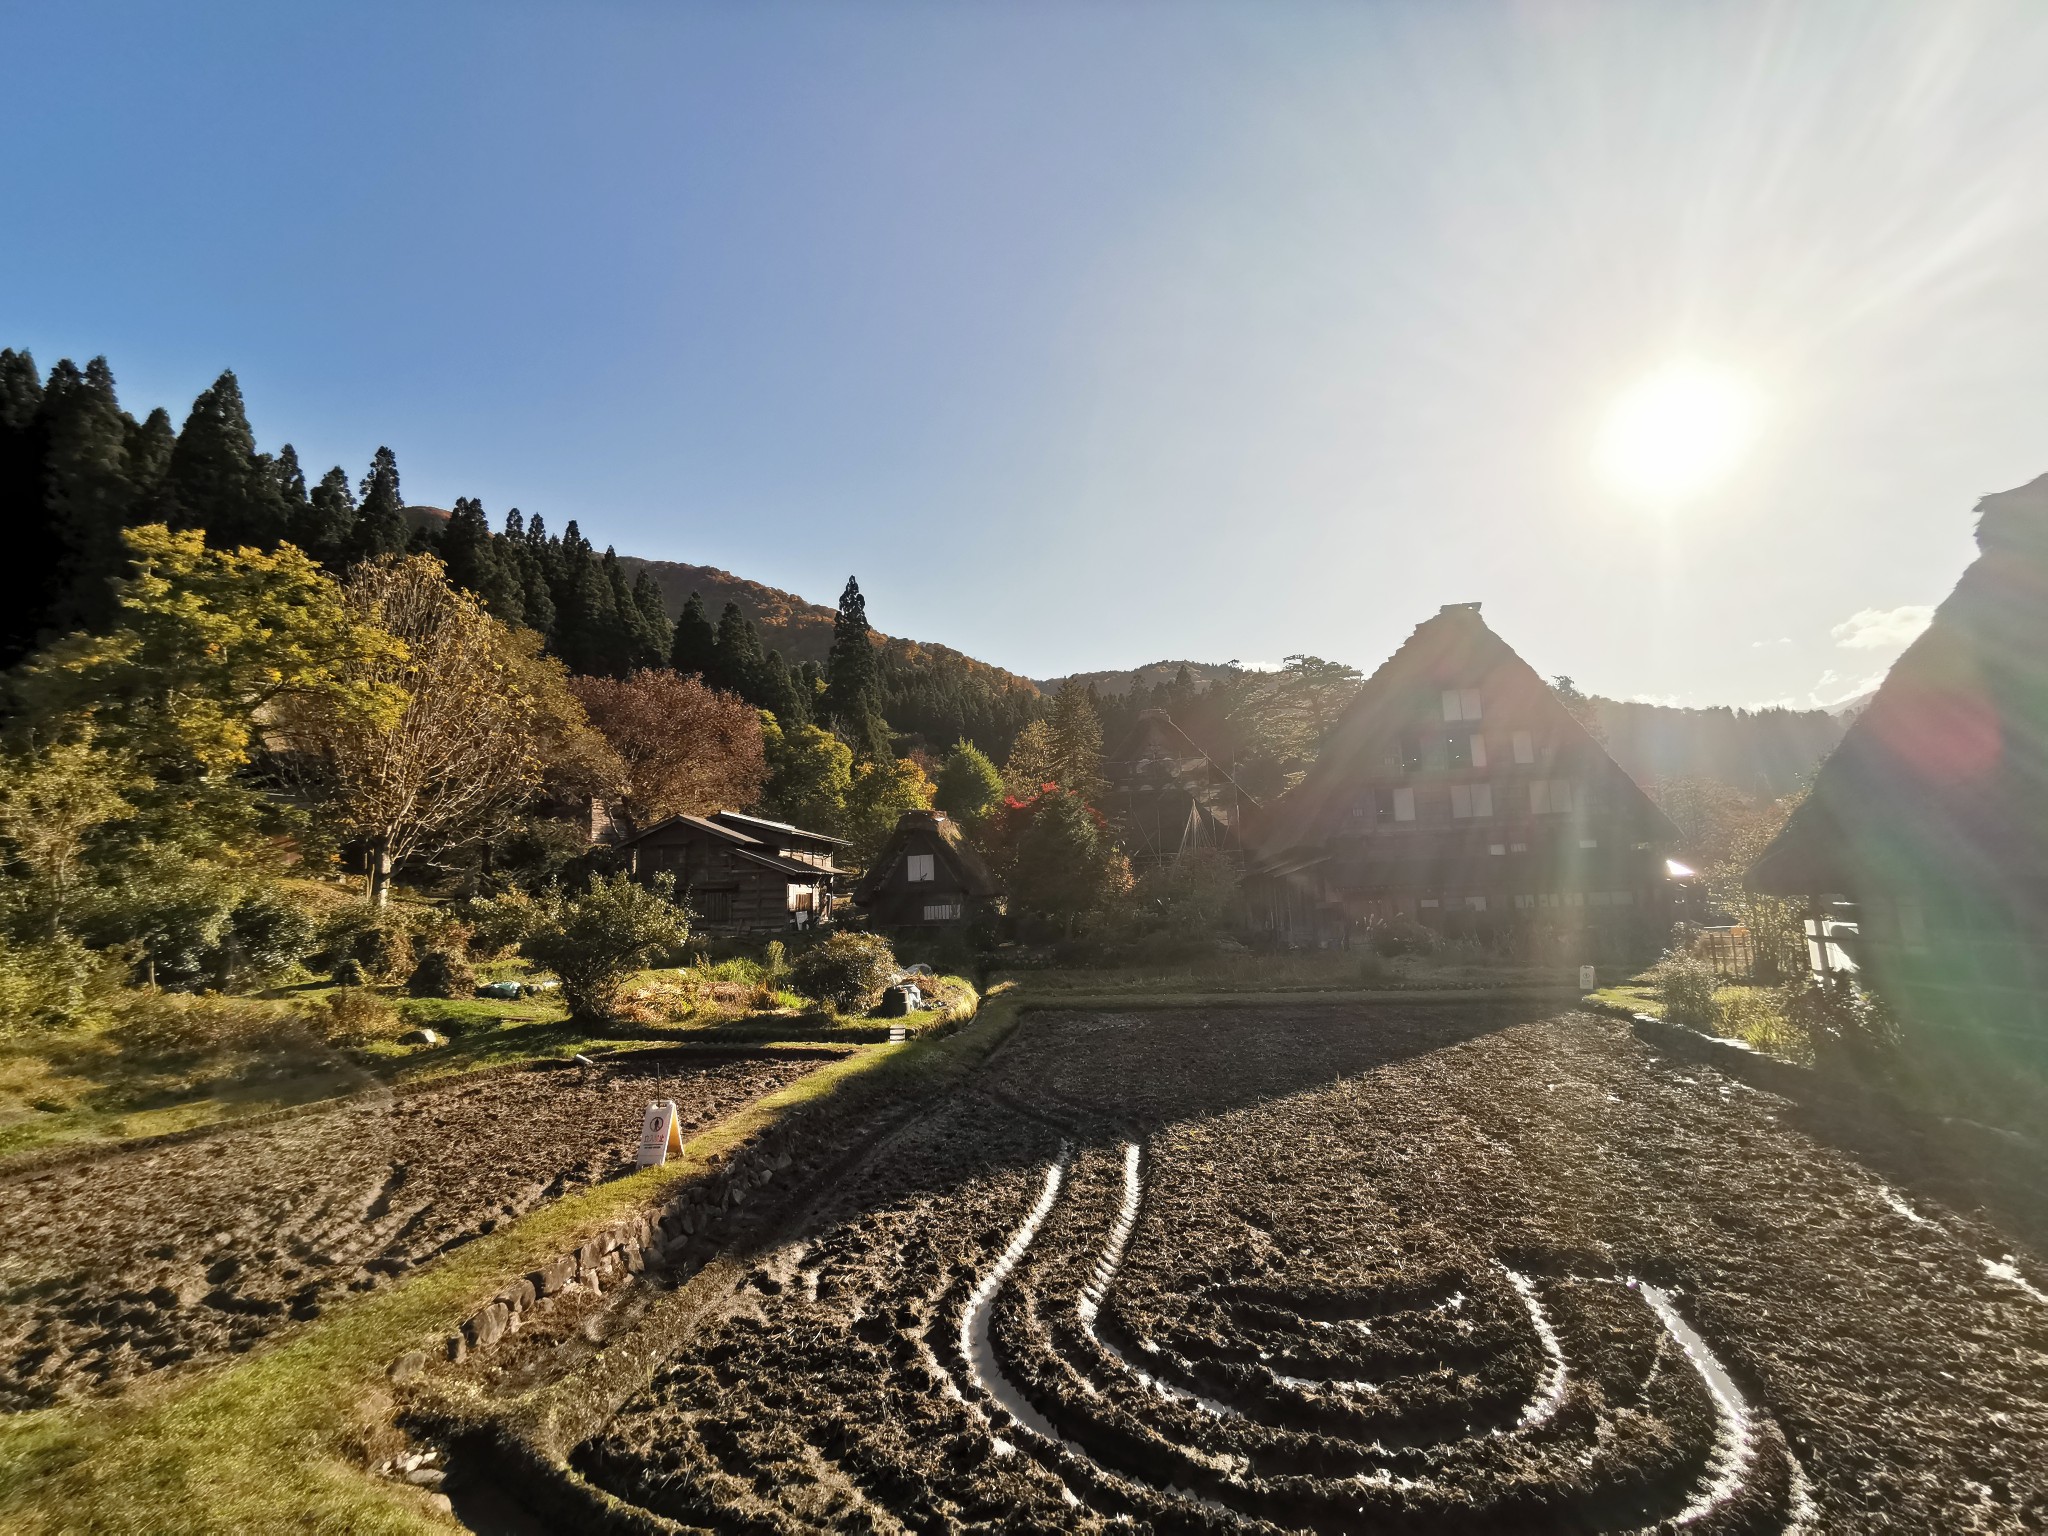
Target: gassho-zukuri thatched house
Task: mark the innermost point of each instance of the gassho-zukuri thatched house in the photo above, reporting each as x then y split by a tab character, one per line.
741	874
1167	796
1929	823
1457	791
928	876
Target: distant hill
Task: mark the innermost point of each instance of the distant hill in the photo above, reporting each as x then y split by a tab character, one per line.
1761	752
1114	684
937	692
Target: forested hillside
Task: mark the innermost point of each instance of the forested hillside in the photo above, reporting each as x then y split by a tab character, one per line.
1766	752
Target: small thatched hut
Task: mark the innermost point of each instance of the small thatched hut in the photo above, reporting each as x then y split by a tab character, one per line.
1931	817
928	876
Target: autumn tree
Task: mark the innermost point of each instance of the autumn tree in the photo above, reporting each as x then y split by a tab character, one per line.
463	753
686	748
881	791
810	773
1059	859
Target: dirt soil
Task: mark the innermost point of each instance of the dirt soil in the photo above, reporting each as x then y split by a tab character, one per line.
129	1264
1408	1268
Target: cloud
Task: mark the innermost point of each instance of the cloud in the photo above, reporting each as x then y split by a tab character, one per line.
1758	645
1882	629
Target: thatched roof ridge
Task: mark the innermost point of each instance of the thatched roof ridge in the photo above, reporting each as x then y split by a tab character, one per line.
1149	718
1942	781
1445	651
964	859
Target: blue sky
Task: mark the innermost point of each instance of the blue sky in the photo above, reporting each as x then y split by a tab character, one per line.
1093	334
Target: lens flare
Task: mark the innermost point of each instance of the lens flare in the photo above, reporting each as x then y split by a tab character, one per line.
1679	432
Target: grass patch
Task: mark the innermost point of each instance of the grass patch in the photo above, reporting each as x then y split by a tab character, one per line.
273	1441
1743	1011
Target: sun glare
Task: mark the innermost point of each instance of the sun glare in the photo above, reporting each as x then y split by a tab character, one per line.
1677	433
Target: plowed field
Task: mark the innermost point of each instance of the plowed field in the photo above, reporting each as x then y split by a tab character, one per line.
1392	1269
128	1264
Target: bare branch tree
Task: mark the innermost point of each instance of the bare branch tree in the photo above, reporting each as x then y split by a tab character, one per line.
465	753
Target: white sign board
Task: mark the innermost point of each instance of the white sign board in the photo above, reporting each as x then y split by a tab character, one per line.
660	1133
1586	982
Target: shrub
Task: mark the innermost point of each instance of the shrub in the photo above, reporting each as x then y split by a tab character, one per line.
846	972
168	1026
350	973
442	973
1401	936
1687	987
268	934
1838	1022
380	938
1757	1016
497	925
595	942
52	983
357	1016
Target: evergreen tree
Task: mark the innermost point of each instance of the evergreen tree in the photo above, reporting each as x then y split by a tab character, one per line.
781	692
582	604
536	566
1077	742
694	646
737	668
654	623
87	494
214	481
288	483
853	680
628	644
477	564
150	443
33	545
380	517
326	529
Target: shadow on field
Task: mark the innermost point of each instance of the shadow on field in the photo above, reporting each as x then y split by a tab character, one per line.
1969	1167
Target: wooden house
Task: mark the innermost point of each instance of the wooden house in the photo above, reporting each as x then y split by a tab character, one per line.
1922	849
928	876
1457	791
739	873
1167	796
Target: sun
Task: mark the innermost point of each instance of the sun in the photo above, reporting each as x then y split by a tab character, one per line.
1678	432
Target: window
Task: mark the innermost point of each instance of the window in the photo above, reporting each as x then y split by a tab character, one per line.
1478	750
1475	903
1575	898
943	911
1598	899
1461	703
802	900
1549	797
1518	847
1404	805
918	868
1429	901
1471	800
1458	751
1497	849
1525	747
1411	754
712	906
1525	902
1589	842
1624	898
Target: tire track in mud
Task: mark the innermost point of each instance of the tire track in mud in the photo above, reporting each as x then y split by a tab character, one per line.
1450	1290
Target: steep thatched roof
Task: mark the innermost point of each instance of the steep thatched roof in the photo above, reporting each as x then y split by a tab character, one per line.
1941	785
1454	649
960	856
